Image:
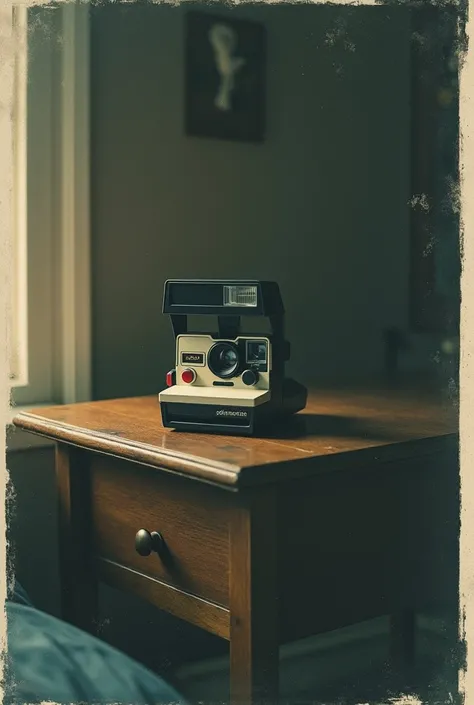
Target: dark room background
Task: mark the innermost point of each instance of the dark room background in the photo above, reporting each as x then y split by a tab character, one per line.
322	206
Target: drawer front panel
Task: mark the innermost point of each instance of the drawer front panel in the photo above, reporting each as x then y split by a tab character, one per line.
192	519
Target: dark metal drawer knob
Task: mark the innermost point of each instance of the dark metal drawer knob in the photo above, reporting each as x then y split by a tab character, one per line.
147	542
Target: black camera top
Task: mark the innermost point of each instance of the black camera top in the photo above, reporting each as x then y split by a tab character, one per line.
237	297
229	299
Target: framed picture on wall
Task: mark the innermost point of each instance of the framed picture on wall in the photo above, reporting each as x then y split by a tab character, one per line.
225	78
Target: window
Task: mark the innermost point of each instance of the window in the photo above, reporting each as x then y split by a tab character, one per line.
50	294
18	302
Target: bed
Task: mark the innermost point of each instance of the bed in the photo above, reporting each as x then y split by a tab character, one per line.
50	660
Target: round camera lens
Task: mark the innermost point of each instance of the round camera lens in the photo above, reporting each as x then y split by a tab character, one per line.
223	360
228	357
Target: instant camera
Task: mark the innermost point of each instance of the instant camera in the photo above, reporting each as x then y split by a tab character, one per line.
224	380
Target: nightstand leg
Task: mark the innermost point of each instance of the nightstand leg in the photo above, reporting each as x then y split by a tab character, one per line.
76	562
253	602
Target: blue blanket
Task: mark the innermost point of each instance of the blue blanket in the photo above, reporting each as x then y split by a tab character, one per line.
49	660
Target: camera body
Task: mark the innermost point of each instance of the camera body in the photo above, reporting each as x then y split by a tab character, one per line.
226	380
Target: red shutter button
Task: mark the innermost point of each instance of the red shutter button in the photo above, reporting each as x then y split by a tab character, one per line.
171	378
188	376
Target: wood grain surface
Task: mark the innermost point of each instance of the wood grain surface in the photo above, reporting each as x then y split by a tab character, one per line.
338	429
191	518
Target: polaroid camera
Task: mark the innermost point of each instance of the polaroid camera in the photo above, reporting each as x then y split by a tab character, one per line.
225	381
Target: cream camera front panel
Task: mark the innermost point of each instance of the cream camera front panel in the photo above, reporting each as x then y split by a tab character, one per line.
190	348
223	396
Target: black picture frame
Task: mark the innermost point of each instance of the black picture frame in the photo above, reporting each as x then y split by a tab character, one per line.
212	109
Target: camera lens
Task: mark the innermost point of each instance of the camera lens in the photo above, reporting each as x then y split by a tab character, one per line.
223	360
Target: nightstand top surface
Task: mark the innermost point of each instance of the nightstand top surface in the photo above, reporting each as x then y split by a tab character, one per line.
339	429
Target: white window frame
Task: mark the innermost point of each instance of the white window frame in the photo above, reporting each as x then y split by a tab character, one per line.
51	289
19	289
51	202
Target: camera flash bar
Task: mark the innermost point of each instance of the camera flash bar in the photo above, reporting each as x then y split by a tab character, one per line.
240	295
237	297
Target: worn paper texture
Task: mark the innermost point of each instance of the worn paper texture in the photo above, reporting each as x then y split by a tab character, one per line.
467	313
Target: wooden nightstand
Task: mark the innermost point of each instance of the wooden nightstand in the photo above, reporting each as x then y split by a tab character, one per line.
261	541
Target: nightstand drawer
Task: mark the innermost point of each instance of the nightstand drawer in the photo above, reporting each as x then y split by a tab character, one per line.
191	518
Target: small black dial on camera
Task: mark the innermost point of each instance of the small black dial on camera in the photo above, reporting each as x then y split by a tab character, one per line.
250	377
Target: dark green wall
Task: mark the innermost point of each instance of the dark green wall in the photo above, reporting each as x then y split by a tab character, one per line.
321	206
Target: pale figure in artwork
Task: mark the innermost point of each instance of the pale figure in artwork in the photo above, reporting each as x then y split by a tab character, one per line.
224	41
